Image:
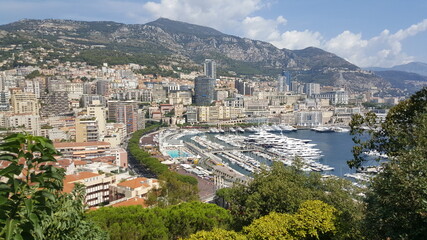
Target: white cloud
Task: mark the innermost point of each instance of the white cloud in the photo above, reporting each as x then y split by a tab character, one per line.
298	40
261	28
411	31
383	50
220	14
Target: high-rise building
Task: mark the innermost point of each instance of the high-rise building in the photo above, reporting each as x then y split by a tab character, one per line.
24	103
210	68
284	82
281	85
55	103
127	114
141	118
204	89
243	88
88	88
312	88
92	99
32	86
159	93
102	87
87	129
100	113
4	101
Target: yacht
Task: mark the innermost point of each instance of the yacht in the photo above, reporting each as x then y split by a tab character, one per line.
340	129
323	129
275	128
240	129
287	128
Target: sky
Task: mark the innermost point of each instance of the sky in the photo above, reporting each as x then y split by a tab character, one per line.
368	33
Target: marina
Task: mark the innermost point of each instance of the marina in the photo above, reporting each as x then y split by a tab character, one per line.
237	153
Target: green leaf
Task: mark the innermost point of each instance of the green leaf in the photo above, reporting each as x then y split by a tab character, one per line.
8	157
12	169
10	228
4	187
38	230
28	205
3	200
18	237
48	195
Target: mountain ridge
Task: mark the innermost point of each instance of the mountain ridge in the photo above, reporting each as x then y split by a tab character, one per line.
193	43
412	67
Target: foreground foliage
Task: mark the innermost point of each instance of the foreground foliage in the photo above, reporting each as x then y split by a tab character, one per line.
217	234
174	222
32	205
313	220
284	189
397	198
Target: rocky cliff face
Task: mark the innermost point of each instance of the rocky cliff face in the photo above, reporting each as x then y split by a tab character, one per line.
195	43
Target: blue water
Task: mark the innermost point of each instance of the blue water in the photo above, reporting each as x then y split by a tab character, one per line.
336	148
177	153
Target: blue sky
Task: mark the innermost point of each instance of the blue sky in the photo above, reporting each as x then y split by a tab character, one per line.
365	32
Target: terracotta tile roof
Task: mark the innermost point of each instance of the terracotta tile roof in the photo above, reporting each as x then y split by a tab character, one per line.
79	163
135	183
131	202
70	179
80	144
79	176
68	187
64	162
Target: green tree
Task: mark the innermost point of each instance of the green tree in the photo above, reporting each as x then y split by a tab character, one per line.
283	189
131	223
397	198
68	220
188	218
313	220
395	136
31	203
33	74
217	234
173	191
177	221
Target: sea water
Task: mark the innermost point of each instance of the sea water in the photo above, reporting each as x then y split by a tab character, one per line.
336	148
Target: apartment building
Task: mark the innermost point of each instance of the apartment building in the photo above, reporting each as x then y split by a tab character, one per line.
137	187
24	103
180	97
97	186
339	97
28	122
126	113
83	150
87	129
218	113
100	113
55	103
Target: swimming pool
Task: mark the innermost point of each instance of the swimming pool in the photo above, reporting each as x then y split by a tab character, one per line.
177	153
